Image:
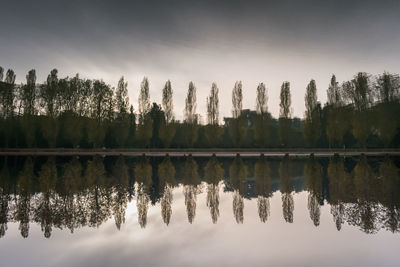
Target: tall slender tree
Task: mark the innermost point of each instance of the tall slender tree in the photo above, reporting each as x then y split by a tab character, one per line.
7	95
190	116
312	124
238	124
27	97
145	127
261	123
337	114
213	131
285	114
167	127
121	123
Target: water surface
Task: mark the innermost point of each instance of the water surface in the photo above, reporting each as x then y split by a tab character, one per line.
161	211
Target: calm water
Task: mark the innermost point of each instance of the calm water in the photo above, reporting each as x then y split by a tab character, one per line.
118	211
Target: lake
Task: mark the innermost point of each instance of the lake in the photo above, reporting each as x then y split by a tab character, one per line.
199	211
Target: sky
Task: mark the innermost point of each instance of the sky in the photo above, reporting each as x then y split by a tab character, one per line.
204	42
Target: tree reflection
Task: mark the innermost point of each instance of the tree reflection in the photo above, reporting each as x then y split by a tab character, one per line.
4	198
98	194
286	188
120	195
313	174
73	204
44	213
166	175
364	212
238	174
190	187
213	173
143	175
25	186
338	182
263	187
389	174
86	193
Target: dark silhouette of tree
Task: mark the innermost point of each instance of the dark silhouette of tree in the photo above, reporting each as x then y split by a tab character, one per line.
261	124
190	187
121	122
213	174
313	173
386	120
213	130
167	127
359	92
27	97
145	126
312	123
337	122
7	105
286	188
238	124
166	175
143	176
285	114
101	97
28	94
262	178
238	174
191	117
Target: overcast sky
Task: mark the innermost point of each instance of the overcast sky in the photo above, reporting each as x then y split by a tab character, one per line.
203	42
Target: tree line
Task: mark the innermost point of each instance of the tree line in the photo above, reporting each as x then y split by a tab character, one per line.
76	112
70	193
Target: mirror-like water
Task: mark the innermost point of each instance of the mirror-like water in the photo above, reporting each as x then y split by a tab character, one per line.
124	211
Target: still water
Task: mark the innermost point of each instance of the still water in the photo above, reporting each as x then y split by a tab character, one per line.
186	211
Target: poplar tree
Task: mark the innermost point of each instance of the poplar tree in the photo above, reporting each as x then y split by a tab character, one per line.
312	123
337	121
121	122
238	124
261	123
285	114
27	97
167	127
145	127
190	116
213	131
7	95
